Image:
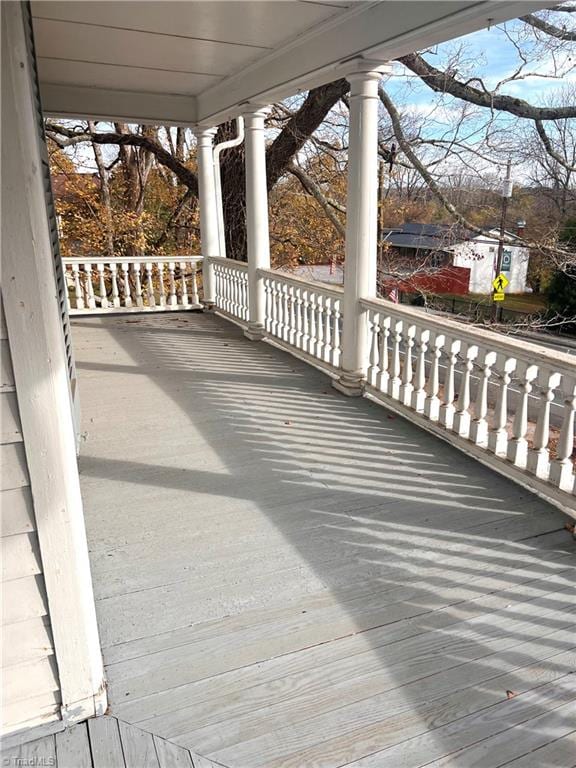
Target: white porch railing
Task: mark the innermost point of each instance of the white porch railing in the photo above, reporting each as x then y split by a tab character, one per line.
304	315
231	287
132	285
509	403
511	400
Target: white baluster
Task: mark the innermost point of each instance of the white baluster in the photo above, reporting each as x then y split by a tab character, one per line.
90	298
77	287
299	319
305	319
125	267
448	409
432	401
292	314
102	286
327	329
562	468
374	354
245	296
419	394
336	336
383	360
498	435
137	285
479	425
539	456
285	313
114	283
162	296
407	372
395	381
172	297
312	326
268	305
518	446
183	286
149	284
320	327
462	417
194	285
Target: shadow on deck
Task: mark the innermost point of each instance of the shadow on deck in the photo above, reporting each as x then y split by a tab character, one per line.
287	577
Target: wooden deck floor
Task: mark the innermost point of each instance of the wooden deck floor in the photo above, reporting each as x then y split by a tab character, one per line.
288	577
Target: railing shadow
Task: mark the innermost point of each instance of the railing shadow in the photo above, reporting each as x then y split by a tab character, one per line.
289	577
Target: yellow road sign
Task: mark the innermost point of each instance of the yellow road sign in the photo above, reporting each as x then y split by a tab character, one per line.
498	296
500	282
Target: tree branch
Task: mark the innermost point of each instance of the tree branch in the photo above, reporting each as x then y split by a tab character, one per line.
444	82
325	203
561	33
550	149
66	137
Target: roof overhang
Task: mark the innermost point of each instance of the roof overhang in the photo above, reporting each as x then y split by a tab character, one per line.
109	61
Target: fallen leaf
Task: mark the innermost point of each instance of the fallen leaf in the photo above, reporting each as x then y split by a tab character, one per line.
510	694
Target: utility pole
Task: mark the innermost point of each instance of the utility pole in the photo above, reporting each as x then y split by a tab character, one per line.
506	195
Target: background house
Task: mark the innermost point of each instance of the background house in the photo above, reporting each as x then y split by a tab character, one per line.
433	247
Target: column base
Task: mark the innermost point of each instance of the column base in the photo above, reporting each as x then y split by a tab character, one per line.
208	306
349	384
254	332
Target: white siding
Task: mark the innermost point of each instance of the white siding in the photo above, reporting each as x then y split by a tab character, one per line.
30	689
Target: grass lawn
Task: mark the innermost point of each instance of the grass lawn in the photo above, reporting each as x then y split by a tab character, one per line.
521	302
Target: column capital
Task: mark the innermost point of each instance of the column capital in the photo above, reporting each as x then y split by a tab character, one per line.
255	110
204	133
363	69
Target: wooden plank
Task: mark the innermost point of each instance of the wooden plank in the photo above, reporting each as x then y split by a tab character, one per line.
20	556
23	599
274	623
3	329
29	679
73	747
383	690
138	747
10	427
6	370
480	725
171	755
41	752
558	754
105	743
319	663
14	466
17	511
24	715
378	722
504	747
163	670
26	641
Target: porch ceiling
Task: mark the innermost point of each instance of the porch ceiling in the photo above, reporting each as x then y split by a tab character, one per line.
198	61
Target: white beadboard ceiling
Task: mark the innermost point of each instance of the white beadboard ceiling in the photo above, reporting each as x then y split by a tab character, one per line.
199	60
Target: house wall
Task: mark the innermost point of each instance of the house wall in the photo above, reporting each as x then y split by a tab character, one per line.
51	662
480	255
30	686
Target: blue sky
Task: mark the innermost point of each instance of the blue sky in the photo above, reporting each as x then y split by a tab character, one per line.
491	55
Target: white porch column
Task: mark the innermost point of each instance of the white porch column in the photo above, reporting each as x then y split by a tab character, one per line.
258	239
361	221
208	209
